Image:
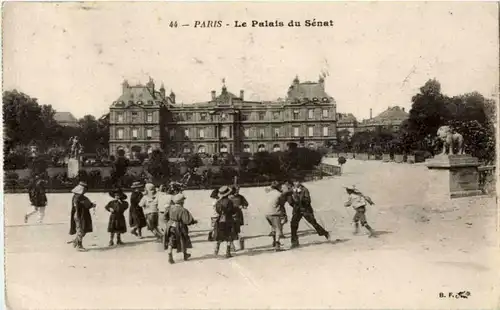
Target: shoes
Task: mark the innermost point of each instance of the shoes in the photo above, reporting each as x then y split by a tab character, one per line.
119	242
187	256
26	219
327	236
111	243
242	244
228	252
134	232
294	245
171	259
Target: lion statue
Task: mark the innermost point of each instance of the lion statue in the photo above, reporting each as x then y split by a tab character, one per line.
450	138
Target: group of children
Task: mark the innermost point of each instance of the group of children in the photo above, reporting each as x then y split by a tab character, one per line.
148	204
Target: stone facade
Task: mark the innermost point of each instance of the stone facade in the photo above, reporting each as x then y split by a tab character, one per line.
390	119
143	119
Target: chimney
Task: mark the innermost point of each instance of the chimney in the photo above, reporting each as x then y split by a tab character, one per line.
213	94
242	94
162	90
125	86
370	113
172	96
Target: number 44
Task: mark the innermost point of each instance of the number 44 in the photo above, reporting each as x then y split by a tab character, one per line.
173	24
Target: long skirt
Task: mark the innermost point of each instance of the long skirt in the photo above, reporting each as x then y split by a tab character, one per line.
136	217
225	231
152	220
117	223
177	239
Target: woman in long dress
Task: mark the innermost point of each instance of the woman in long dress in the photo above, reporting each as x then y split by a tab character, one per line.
224	229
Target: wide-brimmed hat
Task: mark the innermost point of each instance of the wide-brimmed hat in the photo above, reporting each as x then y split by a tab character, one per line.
80	188
118	191
224	191
178	198
136	184
351	188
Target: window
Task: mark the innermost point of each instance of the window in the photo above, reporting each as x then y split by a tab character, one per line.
171	133
119	117
119	133
325	113
261	132
149	133
186	149
149	117
135	116
203	116
296	114
135	133
246	148
295	131
276	148
262	116
201	133
325	131
310	113
202	149
223	116
223	132
310	131
276	116
186	133
223	148
276	132
246	132
189	116
245	116
262	148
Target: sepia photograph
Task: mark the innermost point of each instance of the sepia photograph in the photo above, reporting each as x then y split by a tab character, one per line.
250	155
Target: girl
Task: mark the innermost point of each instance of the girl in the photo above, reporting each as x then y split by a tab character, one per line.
149	203
224	224
240	203
80	220
359	201
137	220
177	231
117	223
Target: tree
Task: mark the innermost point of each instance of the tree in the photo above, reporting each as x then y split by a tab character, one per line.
429	111
94	134
158	167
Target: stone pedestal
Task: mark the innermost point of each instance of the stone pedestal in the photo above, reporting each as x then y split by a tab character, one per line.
452	176
73	167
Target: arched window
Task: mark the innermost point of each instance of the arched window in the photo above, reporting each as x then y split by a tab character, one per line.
246	148
276	148
261	148
223	148
187	149
202	149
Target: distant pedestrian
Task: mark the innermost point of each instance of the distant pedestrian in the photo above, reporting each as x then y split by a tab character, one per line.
241	204
274	212
224	230
117	223
215	196
137	219
80	220
177	231
38	198
149	203
359	202
302	208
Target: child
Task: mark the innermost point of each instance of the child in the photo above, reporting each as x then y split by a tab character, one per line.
359	201
240	203
177	231
137	220
149	203
117	224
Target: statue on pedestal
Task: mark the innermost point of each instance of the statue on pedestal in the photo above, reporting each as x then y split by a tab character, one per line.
74	157
76	148
450	138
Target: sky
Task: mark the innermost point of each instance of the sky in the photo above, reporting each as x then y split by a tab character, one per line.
75	56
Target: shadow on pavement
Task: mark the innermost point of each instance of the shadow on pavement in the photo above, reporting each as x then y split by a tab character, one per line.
265	249
382	232
287	235
124	245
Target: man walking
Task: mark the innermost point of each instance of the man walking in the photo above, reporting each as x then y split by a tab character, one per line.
302	208
38	198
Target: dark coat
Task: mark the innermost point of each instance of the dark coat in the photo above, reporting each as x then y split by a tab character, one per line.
177	231
136	214
37	195
117	223
302	200
239	203
224	228
80	206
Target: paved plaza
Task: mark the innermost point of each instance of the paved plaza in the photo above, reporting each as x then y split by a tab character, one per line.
422	250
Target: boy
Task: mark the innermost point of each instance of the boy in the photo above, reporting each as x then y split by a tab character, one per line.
359	201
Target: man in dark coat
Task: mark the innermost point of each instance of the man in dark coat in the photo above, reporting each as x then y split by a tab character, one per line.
80	220
301	203
38	198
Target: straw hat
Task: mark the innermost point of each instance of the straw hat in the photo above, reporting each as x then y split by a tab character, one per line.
136	184
178	198
351	188
80	188
118	191
224	191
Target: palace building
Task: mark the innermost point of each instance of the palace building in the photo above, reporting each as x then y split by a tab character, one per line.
143	119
